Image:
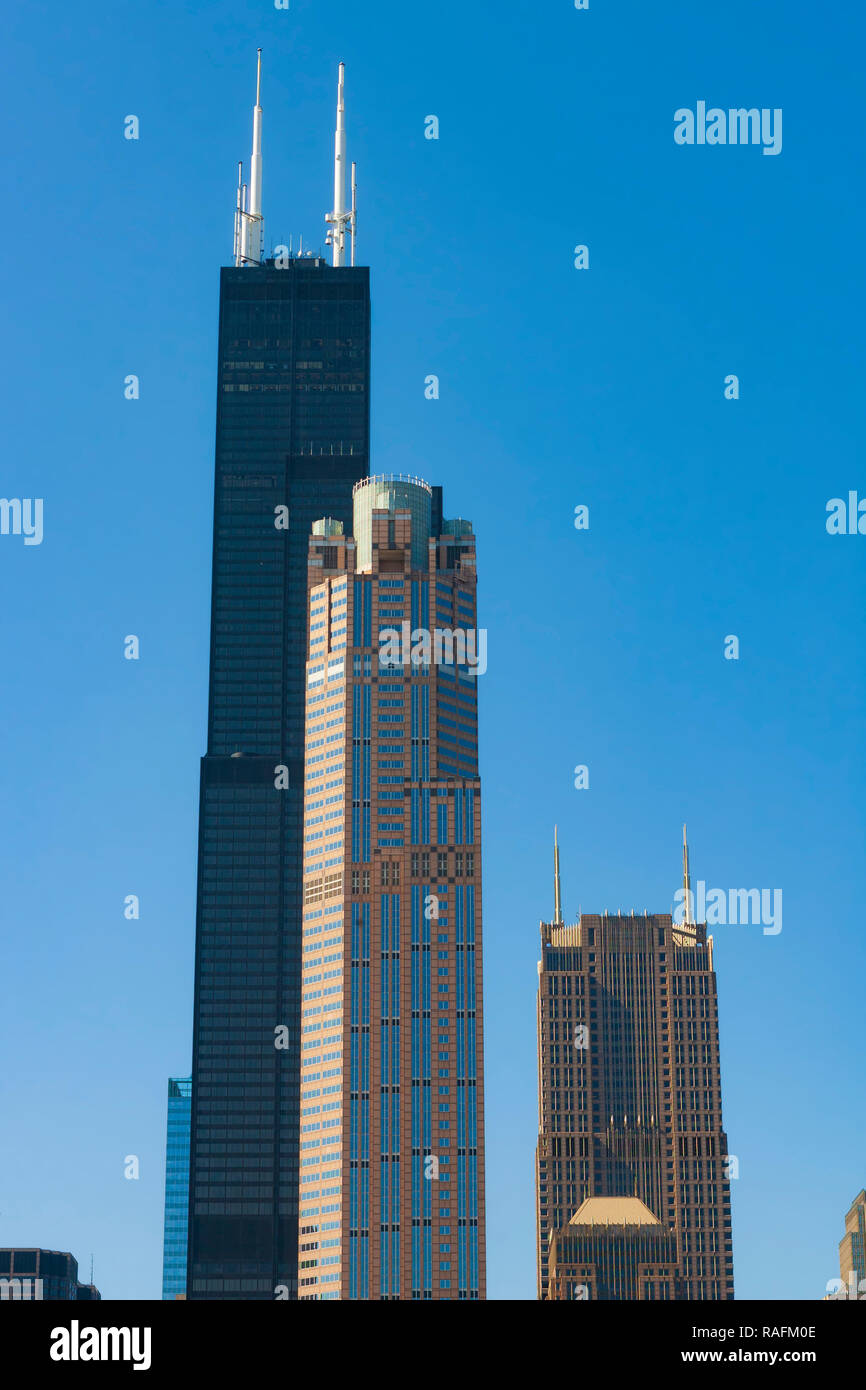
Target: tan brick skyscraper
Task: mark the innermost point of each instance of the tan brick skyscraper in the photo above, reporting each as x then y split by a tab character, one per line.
630	1107
391	1156
852	1249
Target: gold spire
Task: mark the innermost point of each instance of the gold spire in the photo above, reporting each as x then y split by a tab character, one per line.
557	887
687	883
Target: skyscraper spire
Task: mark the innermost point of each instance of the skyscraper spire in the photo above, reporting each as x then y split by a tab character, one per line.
339	168
340	219
354	223
249	222
239	208
557	886
687	884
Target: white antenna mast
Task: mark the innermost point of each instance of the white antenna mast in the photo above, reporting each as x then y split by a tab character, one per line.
353	225
340	219
251	222
238	212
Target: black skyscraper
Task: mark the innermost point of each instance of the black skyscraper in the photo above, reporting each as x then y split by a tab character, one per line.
292	432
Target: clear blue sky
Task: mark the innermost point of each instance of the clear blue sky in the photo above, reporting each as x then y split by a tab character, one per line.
558	387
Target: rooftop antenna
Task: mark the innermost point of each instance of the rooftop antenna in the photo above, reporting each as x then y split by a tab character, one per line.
687	883
251	222
353	225
238	213
340	219
557	886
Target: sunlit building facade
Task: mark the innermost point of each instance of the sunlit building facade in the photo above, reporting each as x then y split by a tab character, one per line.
391	1139
852	1249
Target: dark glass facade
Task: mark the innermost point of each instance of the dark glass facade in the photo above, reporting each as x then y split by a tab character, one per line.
292	438
176	1187
30	1276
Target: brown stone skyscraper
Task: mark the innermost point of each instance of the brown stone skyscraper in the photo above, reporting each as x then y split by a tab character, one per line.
852	1249
391	1156
630	1109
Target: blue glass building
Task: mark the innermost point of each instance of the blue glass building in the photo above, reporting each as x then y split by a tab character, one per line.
176	1186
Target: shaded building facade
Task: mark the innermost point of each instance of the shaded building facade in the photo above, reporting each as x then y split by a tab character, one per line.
392	1176
292	437
176	1187
29	1275
629	1088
